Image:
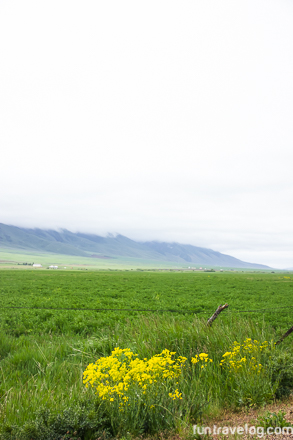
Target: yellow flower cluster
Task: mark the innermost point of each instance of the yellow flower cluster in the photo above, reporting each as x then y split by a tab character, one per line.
203	358
176	395
122	370
240	356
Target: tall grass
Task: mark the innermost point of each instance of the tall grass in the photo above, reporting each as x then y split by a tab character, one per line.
46	371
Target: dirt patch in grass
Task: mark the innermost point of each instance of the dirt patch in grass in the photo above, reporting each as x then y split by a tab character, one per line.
249	417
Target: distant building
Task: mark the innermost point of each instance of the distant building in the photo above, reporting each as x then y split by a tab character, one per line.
37	265
53	267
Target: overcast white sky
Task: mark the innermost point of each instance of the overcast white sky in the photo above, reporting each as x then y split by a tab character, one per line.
168	120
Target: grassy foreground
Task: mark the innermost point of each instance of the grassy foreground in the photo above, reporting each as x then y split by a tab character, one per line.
43	396
43	354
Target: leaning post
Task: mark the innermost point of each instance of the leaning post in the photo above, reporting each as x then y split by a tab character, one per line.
285	336
216	314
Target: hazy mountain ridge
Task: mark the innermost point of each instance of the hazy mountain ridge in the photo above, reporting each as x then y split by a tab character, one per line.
82	244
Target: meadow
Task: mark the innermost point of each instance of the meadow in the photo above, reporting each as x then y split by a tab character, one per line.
14	259
43	352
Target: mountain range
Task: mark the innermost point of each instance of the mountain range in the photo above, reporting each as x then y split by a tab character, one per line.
95	246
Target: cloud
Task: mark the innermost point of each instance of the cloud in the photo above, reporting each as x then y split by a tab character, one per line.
154	120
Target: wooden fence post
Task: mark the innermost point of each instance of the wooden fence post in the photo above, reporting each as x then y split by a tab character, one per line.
216	314
285	336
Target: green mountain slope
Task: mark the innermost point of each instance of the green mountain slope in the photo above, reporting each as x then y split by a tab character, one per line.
197	255
82	244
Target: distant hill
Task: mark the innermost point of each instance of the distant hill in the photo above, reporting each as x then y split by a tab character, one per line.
95	246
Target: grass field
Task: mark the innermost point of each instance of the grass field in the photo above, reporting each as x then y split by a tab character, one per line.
14	258
197	292
43	353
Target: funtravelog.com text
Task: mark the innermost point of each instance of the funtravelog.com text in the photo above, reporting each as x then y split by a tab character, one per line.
259	431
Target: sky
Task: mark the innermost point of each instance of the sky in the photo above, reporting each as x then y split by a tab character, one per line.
158	120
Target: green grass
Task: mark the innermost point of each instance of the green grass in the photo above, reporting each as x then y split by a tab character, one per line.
14	258
199	292
44	352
